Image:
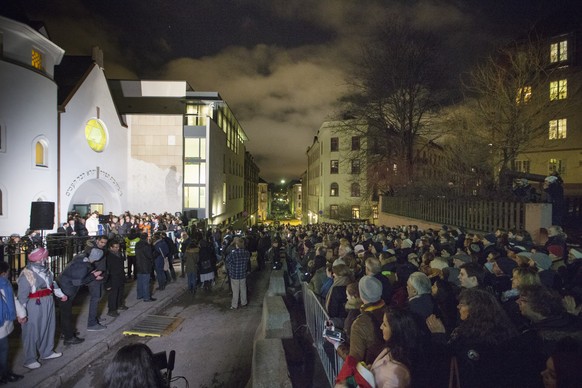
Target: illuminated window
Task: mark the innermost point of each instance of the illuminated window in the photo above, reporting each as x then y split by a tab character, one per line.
522	165
334	144
36	59
356	212
355	190
395	168
558	89
96	135
40	154
334	167
195	197
558	129
355	166
523	95
334	212
375	212
224	193
334	190
355	143
557	165
559	51
195	173
195	147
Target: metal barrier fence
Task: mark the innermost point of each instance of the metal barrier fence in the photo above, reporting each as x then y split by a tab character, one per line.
315	316
61	249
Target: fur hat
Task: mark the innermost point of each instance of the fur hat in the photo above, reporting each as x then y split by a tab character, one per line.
38	254
542	260
370	289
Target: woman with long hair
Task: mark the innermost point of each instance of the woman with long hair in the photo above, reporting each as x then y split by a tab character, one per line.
133	367
479	346
392	368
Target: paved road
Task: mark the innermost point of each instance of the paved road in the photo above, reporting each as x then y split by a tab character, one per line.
213	344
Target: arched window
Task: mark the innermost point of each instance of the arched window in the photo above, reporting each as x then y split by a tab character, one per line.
355	189
334	190
40	152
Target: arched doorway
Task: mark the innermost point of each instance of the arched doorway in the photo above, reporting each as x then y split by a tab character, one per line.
96	194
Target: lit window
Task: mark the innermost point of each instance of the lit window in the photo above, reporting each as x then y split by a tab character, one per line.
356	212
395	168
523	95
334	167
40	154
334	190
559	51
195	147
334	144
36	59
334	212
558	89
355	190
96	135
375	212
195	197
195	173
557	165
355	143
558	129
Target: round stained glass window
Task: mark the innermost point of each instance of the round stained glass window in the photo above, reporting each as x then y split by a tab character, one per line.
96	135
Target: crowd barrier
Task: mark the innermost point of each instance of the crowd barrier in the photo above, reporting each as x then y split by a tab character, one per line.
315	316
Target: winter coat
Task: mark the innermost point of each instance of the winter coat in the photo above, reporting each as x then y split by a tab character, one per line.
144	257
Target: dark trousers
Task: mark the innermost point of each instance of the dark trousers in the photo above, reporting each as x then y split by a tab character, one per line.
67	318
115	298
4	356
131	267
95	292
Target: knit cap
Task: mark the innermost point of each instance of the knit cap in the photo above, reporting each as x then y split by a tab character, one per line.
542	260
370	289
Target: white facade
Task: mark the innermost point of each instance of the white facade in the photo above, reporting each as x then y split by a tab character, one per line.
89	177
28	115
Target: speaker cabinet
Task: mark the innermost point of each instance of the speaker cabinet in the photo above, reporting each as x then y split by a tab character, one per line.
42	215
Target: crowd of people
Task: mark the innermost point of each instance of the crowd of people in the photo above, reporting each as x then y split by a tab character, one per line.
441	307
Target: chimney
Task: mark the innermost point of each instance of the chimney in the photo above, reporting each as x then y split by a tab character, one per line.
97	56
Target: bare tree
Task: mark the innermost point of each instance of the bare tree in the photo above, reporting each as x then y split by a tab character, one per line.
395	93
512	104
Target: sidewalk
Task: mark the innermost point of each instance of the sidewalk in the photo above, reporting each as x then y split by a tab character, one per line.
54	373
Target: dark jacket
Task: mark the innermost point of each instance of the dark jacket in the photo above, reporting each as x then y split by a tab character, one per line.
116	272
144	257
207	258
75	274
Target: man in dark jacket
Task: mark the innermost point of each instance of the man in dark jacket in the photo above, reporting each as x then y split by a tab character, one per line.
115	280
263	246
144	261
77	273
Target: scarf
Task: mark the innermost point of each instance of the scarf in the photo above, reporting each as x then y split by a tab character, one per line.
339	281
7	307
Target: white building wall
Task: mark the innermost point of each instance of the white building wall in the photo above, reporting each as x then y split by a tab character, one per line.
88	176
216	178
28	112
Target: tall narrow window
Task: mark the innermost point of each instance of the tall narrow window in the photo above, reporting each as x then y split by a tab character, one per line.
558	129
355	166
334	167
356	212
559	51
557	165
355	143
375	212
334	144
334	190
523	95
558	90
40	154
36	60
355	190
334	212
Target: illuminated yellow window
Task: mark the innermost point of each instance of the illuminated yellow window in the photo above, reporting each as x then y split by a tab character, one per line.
36	59
557	165
558	90
96	135
558	129
559	51
40	155
523	95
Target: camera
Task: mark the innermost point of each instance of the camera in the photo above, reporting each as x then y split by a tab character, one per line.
333	335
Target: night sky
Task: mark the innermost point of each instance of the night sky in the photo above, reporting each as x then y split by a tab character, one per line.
280	64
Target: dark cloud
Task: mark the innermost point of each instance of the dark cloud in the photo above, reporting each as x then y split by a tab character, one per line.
281	65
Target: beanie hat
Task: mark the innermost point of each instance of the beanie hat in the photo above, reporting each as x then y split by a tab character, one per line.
465	258
542	260
38	254
490	238
506	265
95	254
406	244
359	248
370	289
